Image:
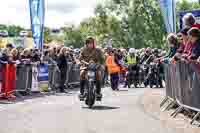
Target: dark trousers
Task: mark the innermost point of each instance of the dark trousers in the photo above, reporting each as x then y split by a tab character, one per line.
114	80
63	78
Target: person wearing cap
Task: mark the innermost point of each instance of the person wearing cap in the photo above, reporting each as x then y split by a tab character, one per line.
88	54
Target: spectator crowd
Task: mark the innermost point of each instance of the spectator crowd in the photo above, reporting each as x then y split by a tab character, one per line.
185	46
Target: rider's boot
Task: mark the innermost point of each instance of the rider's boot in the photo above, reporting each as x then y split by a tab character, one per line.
98	90
82	87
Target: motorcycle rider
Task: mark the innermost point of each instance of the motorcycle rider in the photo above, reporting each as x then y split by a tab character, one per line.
146	55
88	54
131	60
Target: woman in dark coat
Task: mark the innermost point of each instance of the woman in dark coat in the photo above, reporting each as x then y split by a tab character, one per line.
62	65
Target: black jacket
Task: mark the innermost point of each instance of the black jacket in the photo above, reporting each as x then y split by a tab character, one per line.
62	62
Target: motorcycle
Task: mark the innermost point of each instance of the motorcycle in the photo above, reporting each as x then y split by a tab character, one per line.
90	89
153	77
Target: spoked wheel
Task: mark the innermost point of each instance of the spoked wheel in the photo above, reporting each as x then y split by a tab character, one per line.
90	95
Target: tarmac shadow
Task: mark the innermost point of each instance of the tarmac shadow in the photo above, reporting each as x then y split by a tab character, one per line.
102	107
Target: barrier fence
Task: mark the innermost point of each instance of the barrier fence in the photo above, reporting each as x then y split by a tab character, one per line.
183	85
34	77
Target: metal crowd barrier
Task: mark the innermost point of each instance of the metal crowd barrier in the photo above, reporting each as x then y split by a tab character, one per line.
35	77
73	73
183	86
24	77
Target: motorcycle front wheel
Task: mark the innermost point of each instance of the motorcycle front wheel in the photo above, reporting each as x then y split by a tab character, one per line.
90	95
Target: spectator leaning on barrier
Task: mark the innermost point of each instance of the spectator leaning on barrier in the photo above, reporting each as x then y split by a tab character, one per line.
52	56
35	56
188	45
26	54
4	58
14	53
9	46
180	41
173	46
194	35
185	45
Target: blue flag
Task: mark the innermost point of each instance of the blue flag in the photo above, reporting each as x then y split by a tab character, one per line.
37	13
168	10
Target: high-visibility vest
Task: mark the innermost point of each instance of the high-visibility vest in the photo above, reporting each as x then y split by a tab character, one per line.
131	60
111	65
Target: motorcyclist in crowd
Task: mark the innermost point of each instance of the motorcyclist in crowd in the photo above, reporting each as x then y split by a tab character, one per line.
88	54
146	55
132	60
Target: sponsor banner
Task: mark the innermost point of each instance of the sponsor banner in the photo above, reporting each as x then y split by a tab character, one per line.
168	10
37	13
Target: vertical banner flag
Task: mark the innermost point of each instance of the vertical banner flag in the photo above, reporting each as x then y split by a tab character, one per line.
168	10
37	13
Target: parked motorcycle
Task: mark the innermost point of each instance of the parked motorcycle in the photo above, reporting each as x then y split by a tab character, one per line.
153	77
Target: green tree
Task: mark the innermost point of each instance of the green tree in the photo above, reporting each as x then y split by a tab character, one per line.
73	37
13	30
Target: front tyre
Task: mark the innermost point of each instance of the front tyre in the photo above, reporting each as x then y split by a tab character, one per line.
91	95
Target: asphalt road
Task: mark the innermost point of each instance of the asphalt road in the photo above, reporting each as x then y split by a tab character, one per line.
119	112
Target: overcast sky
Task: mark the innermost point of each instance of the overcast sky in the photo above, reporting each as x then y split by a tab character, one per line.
58	12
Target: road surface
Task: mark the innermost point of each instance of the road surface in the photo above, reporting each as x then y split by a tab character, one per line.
119	112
